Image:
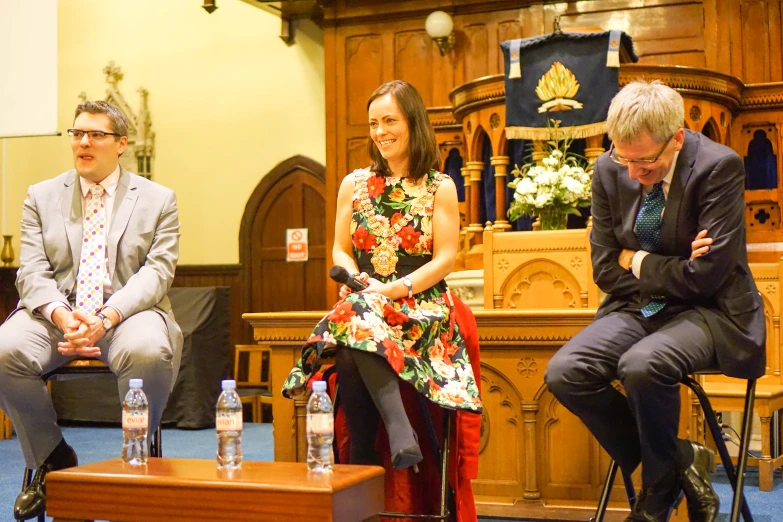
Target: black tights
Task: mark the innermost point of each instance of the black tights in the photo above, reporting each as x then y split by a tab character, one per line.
369	387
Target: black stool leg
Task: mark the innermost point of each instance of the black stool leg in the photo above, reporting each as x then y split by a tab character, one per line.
603	502
156	444
717	435
742	459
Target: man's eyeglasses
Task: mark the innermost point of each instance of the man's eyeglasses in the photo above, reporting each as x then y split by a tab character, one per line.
644	161
77	135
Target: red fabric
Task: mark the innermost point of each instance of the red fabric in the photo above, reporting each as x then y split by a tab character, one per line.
419	493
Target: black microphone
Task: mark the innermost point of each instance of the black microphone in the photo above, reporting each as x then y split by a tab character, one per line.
341	275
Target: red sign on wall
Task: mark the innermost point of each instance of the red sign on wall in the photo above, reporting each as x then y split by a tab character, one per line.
296	244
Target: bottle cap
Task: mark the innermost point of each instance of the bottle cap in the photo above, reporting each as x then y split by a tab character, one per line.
136	383
229	384
319	386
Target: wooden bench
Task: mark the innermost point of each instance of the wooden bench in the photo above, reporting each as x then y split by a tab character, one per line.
179	490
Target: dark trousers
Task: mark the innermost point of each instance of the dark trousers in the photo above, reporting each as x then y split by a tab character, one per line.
649	357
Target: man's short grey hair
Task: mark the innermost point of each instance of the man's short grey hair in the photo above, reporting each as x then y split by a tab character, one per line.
642	106
119	124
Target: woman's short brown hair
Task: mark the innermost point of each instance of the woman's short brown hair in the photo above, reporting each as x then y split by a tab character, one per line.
423	154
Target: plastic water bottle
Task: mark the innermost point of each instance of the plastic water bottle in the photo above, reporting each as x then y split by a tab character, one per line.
320	429
135	422
229	427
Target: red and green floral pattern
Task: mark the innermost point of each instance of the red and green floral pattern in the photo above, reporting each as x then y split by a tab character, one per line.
417	335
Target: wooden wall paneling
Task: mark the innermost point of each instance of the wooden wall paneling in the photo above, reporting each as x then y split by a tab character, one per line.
755	41
663	32
413	62
363	74
735	37
333	143
775	56
356	153
476	51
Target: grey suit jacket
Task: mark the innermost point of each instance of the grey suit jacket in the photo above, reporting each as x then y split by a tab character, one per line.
707	192
142	245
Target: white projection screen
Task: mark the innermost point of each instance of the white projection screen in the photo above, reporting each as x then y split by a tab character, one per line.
28	67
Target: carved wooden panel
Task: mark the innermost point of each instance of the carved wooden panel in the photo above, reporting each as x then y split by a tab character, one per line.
476	47
569	454
363	73
541	284
357	155
501	466
413	61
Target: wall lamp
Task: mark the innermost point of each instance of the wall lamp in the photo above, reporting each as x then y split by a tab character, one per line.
439	26
209	6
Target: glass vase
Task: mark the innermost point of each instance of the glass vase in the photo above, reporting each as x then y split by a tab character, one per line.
553	219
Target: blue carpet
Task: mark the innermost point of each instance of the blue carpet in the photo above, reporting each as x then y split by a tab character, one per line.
94	444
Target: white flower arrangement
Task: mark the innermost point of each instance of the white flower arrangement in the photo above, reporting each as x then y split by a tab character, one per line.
554	189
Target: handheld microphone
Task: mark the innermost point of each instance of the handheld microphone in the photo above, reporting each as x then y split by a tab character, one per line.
341	275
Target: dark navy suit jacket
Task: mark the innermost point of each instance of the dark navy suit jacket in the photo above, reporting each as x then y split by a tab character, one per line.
707	192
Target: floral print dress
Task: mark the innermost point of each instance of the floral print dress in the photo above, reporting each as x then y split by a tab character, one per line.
417	336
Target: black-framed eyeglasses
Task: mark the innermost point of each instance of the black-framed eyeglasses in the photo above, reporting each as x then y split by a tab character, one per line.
77	135
644	161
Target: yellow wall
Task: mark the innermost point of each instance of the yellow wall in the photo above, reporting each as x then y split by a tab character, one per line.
228	99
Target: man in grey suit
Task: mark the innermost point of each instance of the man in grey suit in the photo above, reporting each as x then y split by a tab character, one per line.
99	249
673	305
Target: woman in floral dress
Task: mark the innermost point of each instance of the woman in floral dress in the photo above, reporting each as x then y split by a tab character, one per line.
397	229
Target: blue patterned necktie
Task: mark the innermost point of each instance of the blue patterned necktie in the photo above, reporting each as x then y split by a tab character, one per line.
648	230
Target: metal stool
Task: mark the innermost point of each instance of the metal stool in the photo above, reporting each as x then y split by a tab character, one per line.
77	367
442	454
736	477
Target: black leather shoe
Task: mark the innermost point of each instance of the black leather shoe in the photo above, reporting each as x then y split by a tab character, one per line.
703	502
31	502
654	507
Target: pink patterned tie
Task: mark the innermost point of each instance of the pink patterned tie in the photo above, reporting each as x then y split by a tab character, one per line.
92	268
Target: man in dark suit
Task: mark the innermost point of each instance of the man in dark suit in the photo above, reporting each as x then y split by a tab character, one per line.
668	312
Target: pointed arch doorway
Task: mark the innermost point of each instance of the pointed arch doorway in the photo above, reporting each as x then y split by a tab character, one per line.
292	195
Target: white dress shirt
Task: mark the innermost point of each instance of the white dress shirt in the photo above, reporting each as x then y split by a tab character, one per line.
109	185
636	261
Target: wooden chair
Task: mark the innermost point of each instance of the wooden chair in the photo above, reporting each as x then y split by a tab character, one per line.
253	377
728	395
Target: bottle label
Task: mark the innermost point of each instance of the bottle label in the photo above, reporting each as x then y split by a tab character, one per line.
320	423
229	421
133	420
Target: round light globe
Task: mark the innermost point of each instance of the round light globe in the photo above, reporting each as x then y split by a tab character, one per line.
439	24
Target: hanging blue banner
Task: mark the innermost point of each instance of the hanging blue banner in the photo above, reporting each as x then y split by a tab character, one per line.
570	77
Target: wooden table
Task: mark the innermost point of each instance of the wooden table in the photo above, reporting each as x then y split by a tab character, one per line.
172	490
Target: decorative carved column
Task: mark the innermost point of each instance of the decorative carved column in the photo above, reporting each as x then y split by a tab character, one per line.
594	147
539	151
529	412
501	169
468	194
475	169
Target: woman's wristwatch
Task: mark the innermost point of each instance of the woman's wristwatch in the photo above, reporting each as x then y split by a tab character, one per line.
409	285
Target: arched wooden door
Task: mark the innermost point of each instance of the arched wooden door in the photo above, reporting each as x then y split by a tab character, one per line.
290	196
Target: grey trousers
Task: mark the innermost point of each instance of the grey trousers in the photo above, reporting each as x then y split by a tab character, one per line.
138	347
650	357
